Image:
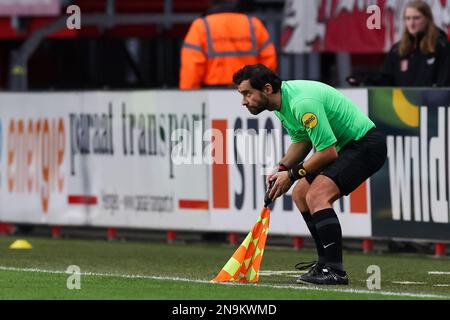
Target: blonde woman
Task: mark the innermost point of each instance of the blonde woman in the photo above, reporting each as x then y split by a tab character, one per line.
422	57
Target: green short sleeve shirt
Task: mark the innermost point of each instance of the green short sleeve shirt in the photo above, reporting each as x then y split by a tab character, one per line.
316	112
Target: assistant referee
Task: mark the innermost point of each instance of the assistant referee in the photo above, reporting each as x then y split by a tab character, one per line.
349	149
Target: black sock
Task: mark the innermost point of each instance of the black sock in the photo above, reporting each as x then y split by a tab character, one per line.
330	233
312	229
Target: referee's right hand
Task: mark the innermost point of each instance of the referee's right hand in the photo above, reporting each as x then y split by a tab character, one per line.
279	168
274	171
268	180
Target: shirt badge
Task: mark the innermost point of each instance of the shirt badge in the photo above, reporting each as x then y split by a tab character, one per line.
404	65
310	120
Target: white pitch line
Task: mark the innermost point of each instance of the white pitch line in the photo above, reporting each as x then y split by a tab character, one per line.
441	285
295	287
408	282
439	272
280	273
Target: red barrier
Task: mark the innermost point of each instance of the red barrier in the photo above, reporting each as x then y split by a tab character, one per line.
6	228
171	236
233	238
56	232
439	249
367	245
111	233
297	243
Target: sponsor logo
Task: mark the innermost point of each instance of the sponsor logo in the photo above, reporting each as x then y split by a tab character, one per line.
404	65
310	120
35	156
418	173
431	61
328	245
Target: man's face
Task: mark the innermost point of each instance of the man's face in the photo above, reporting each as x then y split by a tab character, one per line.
254	100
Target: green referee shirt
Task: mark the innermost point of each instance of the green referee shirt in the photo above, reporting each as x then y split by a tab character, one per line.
319	113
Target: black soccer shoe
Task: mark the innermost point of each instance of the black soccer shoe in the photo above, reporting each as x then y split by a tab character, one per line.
325	276
313	266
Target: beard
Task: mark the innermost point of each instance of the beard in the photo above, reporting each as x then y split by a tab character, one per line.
261	105
254	111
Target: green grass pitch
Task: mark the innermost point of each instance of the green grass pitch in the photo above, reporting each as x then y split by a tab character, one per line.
157	271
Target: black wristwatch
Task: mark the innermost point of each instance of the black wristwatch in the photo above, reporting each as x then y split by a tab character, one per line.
297	173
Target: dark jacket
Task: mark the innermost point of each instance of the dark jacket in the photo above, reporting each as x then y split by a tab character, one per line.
239	6
418	69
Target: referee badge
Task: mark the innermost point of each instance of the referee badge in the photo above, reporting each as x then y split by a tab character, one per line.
310	120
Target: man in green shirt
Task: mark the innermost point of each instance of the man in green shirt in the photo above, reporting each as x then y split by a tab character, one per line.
349	149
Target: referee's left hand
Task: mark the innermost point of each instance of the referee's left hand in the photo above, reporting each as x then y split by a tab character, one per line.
281	185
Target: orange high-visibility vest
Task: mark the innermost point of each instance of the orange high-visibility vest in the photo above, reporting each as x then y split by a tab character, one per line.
220	44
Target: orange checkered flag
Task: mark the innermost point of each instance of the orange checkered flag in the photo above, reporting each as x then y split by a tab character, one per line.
246	260
244	265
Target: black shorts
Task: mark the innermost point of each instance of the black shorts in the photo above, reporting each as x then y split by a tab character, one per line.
356	162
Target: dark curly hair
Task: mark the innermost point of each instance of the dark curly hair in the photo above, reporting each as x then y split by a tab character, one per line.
259	75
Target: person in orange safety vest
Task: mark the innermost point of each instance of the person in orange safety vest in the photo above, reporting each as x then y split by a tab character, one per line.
222	42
